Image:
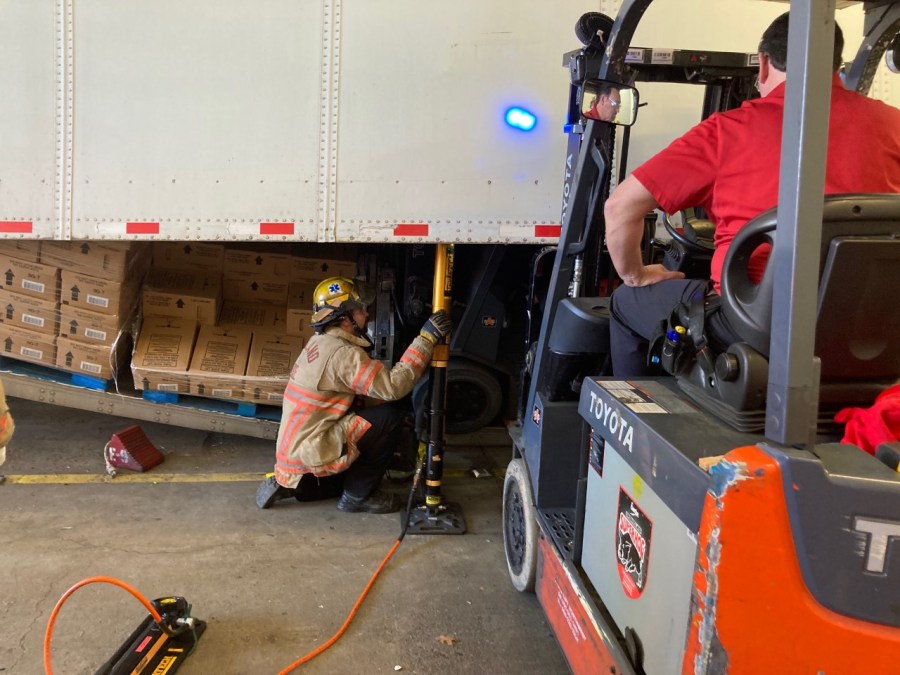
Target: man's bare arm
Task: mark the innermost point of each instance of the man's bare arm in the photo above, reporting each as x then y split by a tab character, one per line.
625	211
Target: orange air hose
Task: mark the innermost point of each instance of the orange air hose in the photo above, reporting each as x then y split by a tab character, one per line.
156	616
48	634
334	638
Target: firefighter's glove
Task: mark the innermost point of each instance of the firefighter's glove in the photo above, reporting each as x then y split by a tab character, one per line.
436	328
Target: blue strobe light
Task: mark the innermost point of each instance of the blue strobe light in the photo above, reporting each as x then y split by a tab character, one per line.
519	118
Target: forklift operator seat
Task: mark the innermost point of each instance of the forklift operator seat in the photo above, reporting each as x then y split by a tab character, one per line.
857	338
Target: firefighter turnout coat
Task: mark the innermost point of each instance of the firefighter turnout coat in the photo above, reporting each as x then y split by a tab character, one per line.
318	432
7	426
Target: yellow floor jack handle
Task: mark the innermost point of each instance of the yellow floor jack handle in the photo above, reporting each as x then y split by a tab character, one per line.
437	516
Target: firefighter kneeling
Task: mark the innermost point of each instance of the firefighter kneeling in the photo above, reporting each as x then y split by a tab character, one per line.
327	445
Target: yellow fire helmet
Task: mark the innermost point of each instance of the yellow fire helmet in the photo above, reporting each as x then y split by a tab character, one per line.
335	298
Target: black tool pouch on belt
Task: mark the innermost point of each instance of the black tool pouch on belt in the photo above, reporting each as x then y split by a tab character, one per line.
670	346
680	339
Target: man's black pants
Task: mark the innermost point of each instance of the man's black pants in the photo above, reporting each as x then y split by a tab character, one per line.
635	314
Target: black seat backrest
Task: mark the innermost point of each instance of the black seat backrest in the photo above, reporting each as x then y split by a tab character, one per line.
855	228
858	324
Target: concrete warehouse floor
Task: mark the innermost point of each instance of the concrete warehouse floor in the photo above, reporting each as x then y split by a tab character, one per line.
273	584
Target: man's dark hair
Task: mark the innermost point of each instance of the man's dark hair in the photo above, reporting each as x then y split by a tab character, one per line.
774	43
606	89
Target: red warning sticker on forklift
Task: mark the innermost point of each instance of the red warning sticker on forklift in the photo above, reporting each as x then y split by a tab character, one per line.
633	529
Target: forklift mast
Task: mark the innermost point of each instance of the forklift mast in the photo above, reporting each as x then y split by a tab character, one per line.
582	266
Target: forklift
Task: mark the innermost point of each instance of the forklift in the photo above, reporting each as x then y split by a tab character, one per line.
712	522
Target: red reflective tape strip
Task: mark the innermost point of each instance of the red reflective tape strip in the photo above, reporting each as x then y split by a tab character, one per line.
16	226
276	228
547	230
411	230
415	358
141	228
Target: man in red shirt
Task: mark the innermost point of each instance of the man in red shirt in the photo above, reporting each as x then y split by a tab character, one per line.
605	105
729	165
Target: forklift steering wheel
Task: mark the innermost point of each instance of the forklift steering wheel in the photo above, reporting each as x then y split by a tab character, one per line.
697	235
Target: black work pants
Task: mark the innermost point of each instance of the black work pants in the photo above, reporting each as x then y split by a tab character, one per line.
376	447
635	314
376	450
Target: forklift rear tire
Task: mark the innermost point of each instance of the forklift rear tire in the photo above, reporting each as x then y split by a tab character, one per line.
520	528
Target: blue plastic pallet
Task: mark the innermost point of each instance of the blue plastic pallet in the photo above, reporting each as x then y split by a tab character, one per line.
242	408
28	369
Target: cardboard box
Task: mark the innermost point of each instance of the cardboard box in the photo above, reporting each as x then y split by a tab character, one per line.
113	298
89	327
318	269
182	294
27	345
269	393
299	311
85	359
219	362
29	278
217	386
250	287
112	260
298	323
265	391
162	354
301	294
262	264
22	249
221	351
188	255
272	356
254	316
41	316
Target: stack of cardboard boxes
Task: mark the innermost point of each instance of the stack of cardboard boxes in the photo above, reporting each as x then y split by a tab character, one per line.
216	321
183	290
99	286
65	304
223	322
29	303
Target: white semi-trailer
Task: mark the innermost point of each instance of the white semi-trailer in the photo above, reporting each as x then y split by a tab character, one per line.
381	124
